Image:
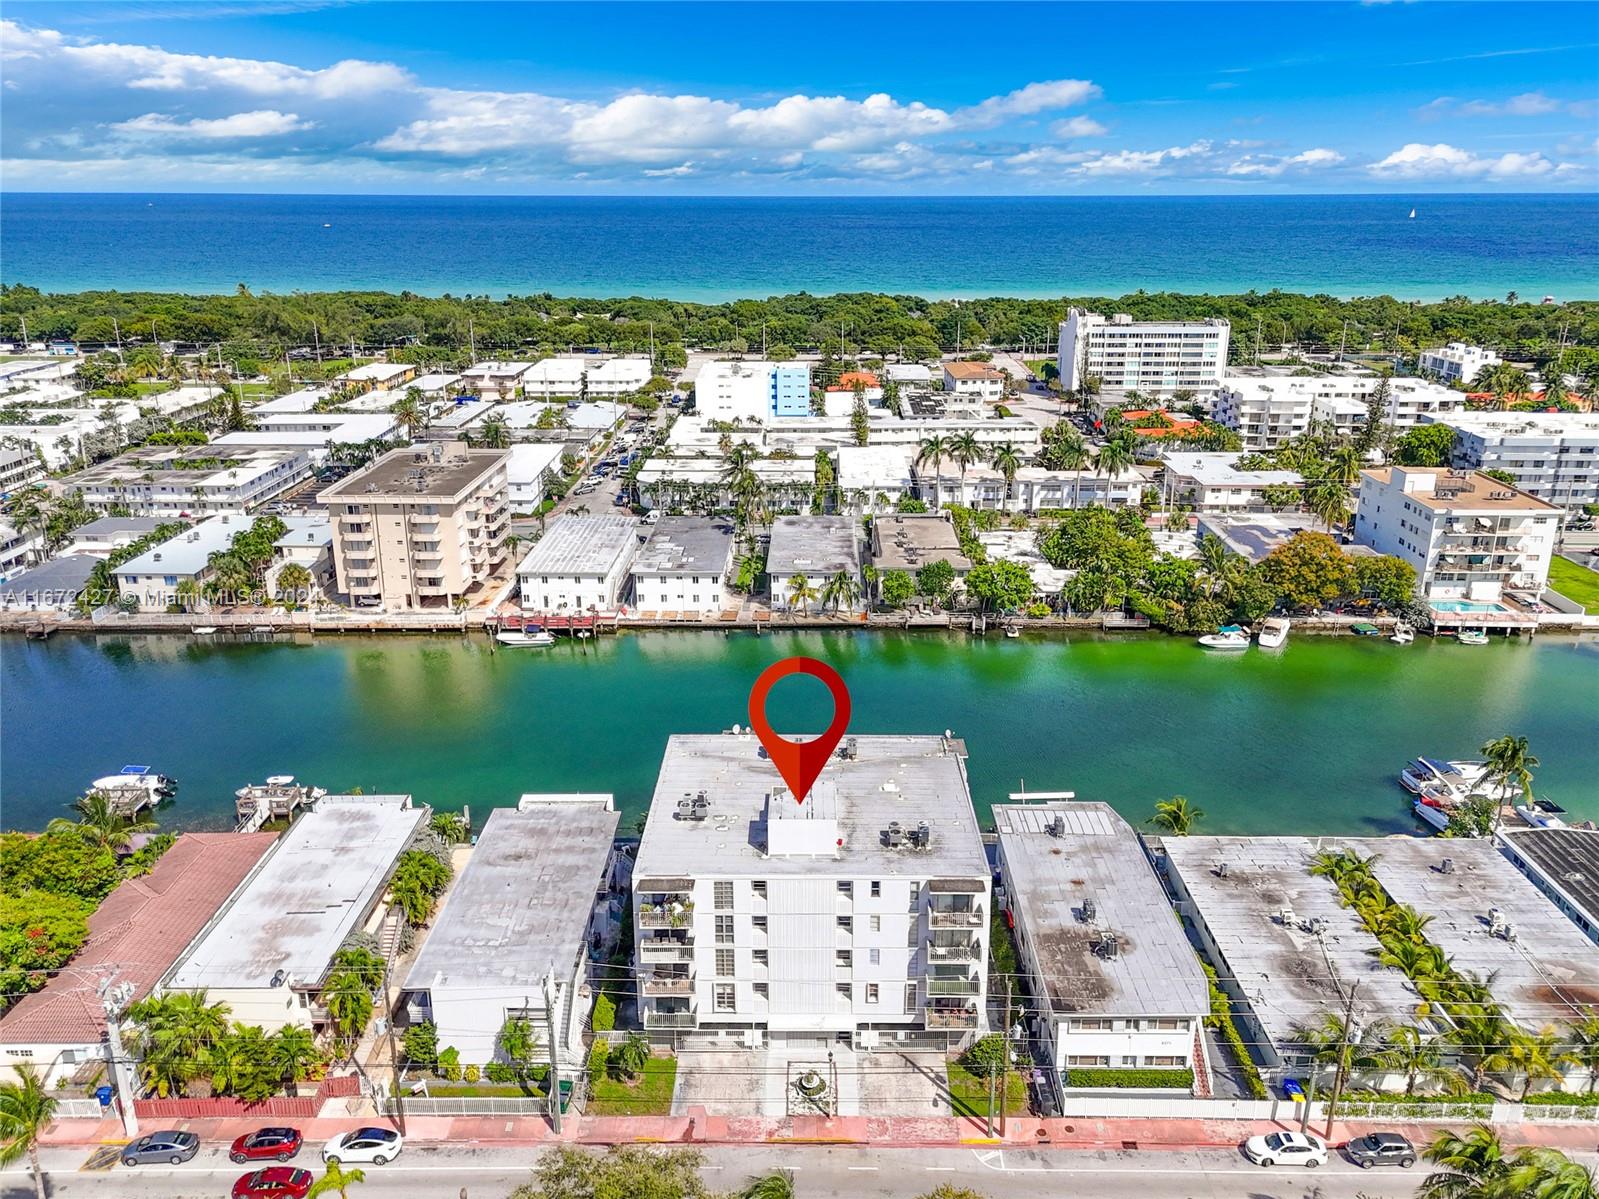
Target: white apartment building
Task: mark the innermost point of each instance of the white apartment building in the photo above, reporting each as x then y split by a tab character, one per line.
18	548
495	380
1034	487
585	375
579	565
802	436
975	381
685	566
1552	455
100	538
528	472
378	374
190	481
859	915
873	478
421	527
19	468
1469	537
1457	362
753	391
1211	482
153	578
521	913
817	547
700	482
1271	411
1116	983
1154	357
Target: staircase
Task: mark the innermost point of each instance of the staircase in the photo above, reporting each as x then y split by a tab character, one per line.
1202	1087
389	934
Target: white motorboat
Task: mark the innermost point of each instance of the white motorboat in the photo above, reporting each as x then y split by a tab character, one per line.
1403	634
1542	813
136	778
1012	631
1472	636
1452	780
204	630
1273	632
1434	812
1227	637
514	639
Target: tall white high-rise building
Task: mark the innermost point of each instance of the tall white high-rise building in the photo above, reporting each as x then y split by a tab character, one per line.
860	914
1154	357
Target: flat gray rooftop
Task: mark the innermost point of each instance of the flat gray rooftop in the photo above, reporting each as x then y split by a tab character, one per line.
908	779
1099	858
1568	857
522	905
112	526
1255	537
53	582
686	543
318	883
1549	974
412	473
910	542
1286	972
581	545
816	546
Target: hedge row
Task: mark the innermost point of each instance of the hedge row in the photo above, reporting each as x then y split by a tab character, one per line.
1143	1078
1221	1019
1563	1099
1399	1099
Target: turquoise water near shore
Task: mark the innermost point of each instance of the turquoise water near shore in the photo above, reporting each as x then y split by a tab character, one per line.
1305	741
718	248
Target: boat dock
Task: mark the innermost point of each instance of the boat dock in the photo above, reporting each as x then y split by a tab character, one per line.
279	798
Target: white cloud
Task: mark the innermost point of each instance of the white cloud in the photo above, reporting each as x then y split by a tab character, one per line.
1528	104
1078	127
265	122
1143	162
1442	161
1028	101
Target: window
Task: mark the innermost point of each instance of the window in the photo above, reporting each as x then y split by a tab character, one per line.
871	992
1166	1024
762	991
875	956
725	997
758	922
1165	1059
844	958
916	895
724	930
843	990
758	956
724	962
846	923
759	887
877	924
910	997
722	895
877	889
845	887
1092	1024
1081	1059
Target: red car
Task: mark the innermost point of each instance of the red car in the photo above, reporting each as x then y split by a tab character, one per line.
274	1182
266	1144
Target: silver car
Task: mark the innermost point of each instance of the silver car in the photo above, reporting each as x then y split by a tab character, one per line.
168	1145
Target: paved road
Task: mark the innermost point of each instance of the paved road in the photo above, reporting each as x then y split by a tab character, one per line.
820	1173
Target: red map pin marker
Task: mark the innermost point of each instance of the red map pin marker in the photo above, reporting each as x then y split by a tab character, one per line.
799	762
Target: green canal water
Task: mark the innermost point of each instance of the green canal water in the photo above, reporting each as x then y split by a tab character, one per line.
1307	740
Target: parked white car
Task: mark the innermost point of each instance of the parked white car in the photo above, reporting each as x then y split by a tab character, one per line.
1286	1149
374	1145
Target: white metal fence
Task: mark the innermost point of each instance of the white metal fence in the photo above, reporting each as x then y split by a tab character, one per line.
472	1105
81	1109
1154	1107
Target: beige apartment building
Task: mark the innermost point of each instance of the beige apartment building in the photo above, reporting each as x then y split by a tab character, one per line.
421	526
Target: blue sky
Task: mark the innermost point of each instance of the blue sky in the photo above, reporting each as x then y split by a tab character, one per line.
786	99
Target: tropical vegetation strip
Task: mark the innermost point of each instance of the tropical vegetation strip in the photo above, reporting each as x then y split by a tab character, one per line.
985	1064
1576	583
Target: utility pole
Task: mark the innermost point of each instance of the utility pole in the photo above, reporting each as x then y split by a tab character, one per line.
117	329
1258	320
316	336
555	1052
114	1000
24	321
990	1098
471	340
394	1054
1343	1054
1343	340
1005	1090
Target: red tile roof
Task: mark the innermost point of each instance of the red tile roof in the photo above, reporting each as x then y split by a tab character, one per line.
136	935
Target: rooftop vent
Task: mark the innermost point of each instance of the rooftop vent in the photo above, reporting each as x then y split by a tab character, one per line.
278	978
921	836
894	835
1057	826
851	750
1108	946
1447	866
1286	918
1088	911
1221	870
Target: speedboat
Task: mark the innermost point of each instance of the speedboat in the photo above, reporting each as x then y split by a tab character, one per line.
1434	811
1472	636
1227	637
141	778
1273	632
513	639
1457	779
1542	813
204	630
1403	634
1012	631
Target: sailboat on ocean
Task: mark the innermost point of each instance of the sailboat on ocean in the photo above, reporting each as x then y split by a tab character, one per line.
1412	214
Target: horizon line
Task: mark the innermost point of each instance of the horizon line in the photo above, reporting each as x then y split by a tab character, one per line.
1181	195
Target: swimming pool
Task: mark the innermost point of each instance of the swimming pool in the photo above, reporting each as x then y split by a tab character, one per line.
1466	606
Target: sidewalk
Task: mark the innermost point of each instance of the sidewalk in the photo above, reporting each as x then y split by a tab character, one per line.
889	1132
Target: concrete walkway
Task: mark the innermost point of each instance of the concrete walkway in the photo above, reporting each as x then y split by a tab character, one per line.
881	1132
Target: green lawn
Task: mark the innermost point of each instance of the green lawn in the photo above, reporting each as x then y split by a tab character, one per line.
650	1095
969	1092
1036	365
1576	583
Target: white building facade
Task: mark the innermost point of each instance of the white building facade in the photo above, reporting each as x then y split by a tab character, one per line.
752	391
1211	482
1552	455
1457	362
1153	357
579	565
1270	412
685	566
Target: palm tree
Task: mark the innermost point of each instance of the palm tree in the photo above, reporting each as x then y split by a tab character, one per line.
337	1179
1177	815
1531	1055
494	435
1328	501
1472	1164
411	411
1113	458
176	1034
779	1184
630	1056
293	1052
1007	461
800	594
840	591
101	823
1331	1042
1583	1047
1217	563
965	449
1073	454
1479	1036
1555	391
935	450
1540	1173
26	1110
449	827
1409	1051
1510	763
1343	465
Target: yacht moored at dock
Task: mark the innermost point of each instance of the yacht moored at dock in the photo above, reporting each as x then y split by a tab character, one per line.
1227	637
1273	632
512	639
134	788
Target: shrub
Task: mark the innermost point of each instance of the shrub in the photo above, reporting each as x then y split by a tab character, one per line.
499	1072
1559	1099
1221	1019
598	1053
472	1073
450	1063
604	1019
422	1045
1147	1078
985	1053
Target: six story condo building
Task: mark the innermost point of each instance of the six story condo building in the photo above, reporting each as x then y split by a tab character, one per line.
1154	357
860	915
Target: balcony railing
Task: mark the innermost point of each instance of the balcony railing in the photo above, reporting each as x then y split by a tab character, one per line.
966	951
951	1017
666	915
668	1019
945	918
662	950
954	986
667	985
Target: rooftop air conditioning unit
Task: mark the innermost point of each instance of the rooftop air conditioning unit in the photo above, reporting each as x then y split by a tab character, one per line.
1447	866
921	835
1089	911
894	836
1109	946
1057	827
1221	869
1287	918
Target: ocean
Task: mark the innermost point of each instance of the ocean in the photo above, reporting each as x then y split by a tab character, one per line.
714	249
